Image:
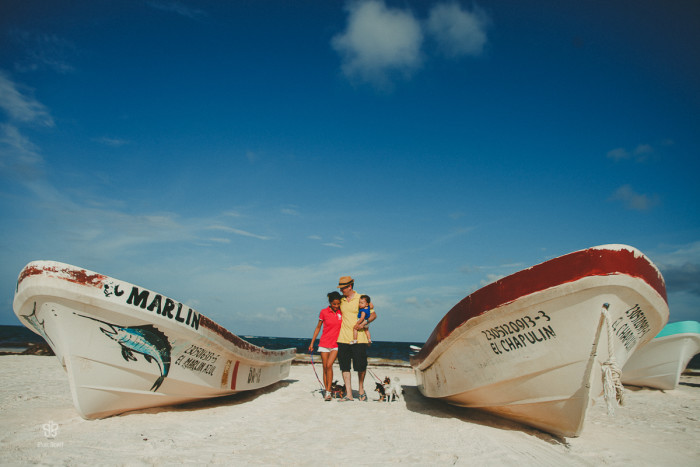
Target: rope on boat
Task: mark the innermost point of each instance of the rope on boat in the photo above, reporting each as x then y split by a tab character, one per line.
314	368
612	383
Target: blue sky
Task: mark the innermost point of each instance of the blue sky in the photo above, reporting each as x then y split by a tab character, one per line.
242	156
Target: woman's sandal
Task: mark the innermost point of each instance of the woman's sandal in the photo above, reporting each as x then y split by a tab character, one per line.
362	397
328	397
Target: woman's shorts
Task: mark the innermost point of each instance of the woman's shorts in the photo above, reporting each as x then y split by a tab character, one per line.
326	349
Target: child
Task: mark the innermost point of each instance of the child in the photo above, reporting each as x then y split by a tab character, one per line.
362	317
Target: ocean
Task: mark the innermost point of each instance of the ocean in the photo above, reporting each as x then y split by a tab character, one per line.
17	339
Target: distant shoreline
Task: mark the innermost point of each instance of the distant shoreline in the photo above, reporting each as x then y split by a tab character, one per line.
42	349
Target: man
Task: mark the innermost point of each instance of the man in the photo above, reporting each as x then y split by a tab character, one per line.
355	353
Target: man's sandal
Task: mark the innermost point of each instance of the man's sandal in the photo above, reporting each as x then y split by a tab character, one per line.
362	397
345	399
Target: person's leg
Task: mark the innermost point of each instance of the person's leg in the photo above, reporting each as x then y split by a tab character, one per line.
326	379
359	364
361	382
348	384
344	359
328	368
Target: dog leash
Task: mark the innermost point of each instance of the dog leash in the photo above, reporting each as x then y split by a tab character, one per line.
314	368
375	376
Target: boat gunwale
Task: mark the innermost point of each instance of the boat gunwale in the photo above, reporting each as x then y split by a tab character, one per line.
602	260
55	270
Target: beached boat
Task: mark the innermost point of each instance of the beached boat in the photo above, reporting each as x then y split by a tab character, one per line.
539	345
126	348
659	364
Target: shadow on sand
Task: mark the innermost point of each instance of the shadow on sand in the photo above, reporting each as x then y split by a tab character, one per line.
223	401
416	402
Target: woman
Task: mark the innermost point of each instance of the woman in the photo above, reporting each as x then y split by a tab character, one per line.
331	319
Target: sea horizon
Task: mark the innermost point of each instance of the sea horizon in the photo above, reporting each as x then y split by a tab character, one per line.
17	338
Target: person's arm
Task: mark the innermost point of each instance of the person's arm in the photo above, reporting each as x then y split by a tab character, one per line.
358	323
372	316
316	331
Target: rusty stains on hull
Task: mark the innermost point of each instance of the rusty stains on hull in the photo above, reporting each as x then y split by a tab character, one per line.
77	276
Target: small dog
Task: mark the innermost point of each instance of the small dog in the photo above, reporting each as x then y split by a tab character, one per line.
337	391
382	392
392	389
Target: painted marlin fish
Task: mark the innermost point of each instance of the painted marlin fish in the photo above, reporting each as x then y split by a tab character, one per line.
146	340
38	325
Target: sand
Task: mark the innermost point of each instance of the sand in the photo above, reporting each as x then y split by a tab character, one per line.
290	423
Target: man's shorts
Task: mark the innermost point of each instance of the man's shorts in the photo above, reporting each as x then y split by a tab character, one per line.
357	353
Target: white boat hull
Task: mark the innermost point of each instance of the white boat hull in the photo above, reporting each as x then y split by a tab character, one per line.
659	364
538	358
126	348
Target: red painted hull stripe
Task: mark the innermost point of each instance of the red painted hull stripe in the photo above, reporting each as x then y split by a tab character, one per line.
561	270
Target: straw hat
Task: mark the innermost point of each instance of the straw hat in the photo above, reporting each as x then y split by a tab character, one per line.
345	281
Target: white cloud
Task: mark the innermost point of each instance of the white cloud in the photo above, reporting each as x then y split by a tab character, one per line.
643	149
220	240
238	232
633	200
618	154
381	43
17	151
458	32
252	157
490	278
290	211
378	42
115	142
43	51
178	8
21	108
18	155
641	153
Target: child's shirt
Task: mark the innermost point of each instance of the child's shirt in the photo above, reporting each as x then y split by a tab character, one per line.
365	311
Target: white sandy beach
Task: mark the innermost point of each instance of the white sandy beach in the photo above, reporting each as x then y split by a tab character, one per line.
289	423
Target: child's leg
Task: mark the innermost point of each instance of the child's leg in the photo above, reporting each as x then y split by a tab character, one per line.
369	337
354	335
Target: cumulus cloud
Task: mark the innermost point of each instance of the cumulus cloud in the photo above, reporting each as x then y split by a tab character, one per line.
381	43
378	42
457	32
633	200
